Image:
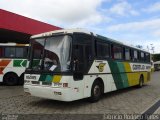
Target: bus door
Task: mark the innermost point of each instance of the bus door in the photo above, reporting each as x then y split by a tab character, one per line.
81	58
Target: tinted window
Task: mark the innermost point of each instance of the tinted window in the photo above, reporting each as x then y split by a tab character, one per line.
135	55
82	51
82	39
117	52
127	54
142	55
10	52
21	52
102	50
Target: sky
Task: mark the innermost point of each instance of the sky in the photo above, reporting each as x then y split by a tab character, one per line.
133	22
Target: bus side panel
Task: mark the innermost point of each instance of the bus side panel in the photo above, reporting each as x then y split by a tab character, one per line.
100	69
107	79
17	66
119	75
3	64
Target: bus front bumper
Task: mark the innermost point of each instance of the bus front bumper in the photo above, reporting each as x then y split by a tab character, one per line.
61	94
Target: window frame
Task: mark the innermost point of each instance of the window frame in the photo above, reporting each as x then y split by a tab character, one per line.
130	57
104	43
15	57
122	51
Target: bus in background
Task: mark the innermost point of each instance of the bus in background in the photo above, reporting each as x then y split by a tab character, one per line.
156	66
13	61
68	65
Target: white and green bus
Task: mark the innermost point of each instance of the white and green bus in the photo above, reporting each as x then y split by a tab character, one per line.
13	61
68	65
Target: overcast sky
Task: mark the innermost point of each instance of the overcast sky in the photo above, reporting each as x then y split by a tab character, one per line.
135	22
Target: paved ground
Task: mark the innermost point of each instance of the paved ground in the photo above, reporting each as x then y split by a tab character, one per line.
127	101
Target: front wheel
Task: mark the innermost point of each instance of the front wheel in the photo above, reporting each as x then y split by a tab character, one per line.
10	79
96	92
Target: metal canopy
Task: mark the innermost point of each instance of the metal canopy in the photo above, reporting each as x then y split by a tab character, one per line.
17	28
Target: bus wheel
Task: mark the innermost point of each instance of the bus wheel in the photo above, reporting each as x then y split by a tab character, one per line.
10	79
96	91
141	81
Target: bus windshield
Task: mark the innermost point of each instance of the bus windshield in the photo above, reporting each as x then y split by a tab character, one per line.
51	53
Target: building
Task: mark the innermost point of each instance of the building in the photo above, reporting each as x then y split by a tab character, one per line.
17	28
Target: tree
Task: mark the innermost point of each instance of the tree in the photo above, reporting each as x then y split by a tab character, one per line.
156	57
139	46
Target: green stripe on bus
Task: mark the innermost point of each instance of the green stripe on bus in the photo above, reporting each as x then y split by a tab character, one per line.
121	80
124	77
46	78
24	63
49	78
17	63
42	78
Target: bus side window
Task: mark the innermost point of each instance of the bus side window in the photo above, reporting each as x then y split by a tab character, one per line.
19	52
9	52
135	53
142	55
127	54
117	52
102	50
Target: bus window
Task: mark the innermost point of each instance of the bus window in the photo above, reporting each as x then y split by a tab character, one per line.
135	55
127	54
9	52
117	52
19	52
142	56
82	51
102	50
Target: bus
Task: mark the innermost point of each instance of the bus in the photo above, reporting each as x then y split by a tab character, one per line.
13	61
156	65
72	64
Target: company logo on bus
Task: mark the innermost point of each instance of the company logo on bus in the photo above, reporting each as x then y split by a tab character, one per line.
101	67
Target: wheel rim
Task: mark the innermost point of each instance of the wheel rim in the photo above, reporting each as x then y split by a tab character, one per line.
97	91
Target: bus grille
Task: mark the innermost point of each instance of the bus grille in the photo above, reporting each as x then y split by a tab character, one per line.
35	82
47	83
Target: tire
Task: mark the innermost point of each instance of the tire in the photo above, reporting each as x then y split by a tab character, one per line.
96	91
10	79
141	81
21	80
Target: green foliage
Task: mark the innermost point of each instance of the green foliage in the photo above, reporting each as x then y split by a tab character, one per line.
156	57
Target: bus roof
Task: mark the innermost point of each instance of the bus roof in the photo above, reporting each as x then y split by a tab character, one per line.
65	31
13	44
120	43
